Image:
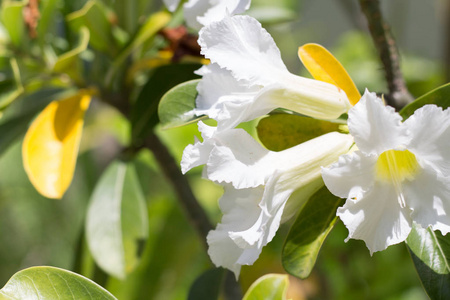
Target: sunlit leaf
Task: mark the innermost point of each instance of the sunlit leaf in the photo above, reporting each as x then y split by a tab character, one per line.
281	131
308	233
50	147
39	283
69	62
116	224
323	66
208	285
175	107
430	252
144	113
148	30
268	287
439	96
94	17
12	19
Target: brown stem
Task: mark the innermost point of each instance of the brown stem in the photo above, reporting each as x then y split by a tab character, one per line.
180	184
387	50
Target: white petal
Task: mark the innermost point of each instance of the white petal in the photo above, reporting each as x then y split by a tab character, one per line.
241	211
353	172
376	127
198	153
171	4
242	161
429	197
430	136
376	218
199	13
242	46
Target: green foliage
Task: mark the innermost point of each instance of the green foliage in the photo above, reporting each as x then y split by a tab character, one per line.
207	286
11	16
430	252
144	111
308	233
269	287
439	96
52	283
281	131
175	108
117	224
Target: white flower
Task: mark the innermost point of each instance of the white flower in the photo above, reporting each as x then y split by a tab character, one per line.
398	176
257	184
199	13
247	77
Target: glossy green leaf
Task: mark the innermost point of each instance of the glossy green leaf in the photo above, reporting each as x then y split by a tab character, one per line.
16	119
70	62
116	224
52	283
144	113
175	107
94	16
12	19
268	287
281	131
308	233
430	252
439	96
207	286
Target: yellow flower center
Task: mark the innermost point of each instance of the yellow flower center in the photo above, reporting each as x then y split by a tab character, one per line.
395	166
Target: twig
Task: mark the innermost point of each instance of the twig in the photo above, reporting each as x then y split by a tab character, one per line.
181	186
381	35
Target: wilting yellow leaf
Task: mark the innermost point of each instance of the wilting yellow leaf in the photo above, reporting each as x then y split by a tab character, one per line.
323	66
50	147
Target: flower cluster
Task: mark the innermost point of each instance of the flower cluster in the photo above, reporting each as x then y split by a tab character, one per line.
245	80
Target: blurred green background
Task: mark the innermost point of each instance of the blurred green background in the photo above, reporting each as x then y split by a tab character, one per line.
38	231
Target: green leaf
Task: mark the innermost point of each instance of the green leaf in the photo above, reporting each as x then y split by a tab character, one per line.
430	252
270	15
117	223
175	106
308	233
69	62
281	131
12	19
207	286
439	96
268	287
144	112
51	283
94	16
14	123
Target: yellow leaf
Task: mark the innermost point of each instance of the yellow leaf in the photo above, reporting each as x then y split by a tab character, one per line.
323	66
50	147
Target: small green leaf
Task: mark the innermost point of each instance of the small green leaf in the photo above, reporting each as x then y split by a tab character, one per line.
308	233
268	287
12	19
439	96
430	252
175	107
207	286
116	223
51	283
281	131
144	112
94	16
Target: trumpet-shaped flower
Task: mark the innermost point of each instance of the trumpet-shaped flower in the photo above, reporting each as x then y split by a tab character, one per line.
257	184
247	77
398	176
199	13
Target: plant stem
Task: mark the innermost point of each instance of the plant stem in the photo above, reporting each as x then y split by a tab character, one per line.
398	95
170	168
